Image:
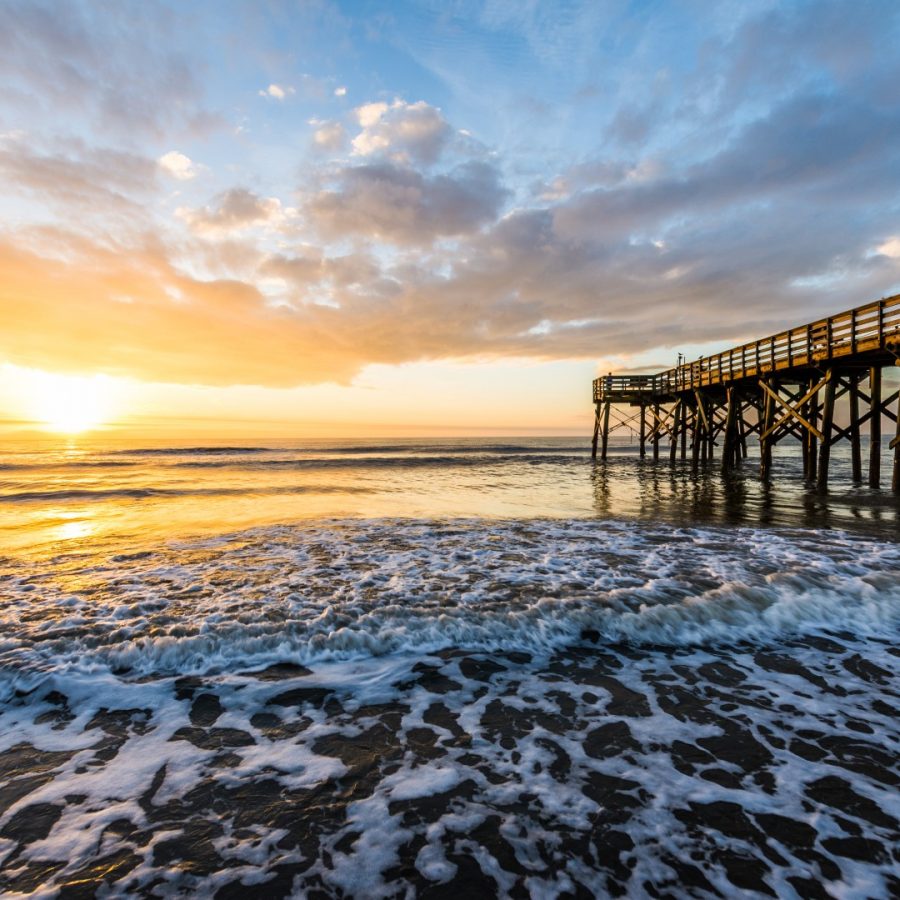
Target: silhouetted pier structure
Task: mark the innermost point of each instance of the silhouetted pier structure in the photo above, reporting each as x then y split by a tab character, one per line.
785	385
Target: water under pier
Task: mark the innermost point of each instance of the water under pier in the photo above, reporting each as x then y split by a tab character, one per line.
787	385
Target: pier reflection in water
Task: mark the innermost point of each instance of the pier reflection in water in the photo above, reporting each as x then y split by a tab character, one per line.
625	485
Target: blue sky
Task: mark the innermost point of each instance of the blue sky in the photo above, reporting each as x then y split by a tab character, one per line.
293	195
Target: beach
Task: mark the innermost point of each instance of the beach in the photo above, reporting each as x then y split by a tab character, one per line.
483	667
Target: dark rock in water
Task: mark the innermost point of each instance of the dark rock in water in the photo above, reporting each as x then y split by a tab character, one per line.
363	750
23	759
277	729
13	791
745	872
616	797
722	673
838	794
205	709
775	662
862	849
303	696
809	888
861	756
866	670
610	739
422	742
32	877
279	672
738	747
722	777
214	738
31	823
786	831
193	849
438	714
427	810
480	669
99	873
186	687
434	680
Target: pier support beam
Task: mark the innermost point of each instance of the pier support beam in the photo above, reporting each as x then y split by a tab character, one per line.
730	447
827	423
596	430
604	434
855	446
765	436
875	427
656	432
643	426
895	444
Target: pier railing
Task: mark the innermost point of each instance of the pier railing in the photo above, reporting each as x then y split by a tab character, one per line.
872	327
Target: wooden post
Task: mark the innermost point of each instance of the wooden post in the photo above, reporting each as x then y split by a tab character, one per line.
684	431
765	444
596	430
895	481
813	440
875	427
605	432
743	428
697	431
855	447
656	432
729	445
643	450
676	415
827	422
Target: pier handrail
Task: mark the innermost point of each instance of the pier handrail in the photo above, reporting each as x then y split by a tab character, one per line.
864	328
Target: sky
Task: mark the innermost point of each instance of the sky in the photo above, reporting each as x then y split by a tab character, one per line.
448	217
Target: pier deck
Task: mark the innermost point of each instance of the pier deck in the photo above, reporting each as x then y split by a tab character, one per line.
784	385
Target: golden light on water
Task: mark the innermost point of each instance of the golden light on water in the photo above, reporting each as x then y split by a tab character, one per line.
68	404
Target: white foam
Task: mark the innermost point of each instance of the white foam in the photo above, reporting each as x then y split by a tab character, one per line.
352	590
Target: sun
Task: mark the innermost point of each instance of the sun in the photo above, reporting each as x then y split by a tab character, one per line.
70	403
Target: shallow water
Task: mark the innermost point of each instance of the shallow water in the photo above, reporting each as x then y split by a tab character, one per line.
411	670
61	495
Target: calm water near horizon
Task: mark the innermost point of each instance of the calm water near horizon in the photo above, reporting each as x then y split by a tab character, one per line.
56	495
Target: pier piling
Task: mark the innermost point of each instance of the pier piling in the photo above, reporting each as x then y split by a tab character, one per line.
788	385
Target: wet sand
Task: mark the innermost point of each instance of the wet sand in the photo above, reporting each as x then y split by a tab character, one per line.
397	709
595	771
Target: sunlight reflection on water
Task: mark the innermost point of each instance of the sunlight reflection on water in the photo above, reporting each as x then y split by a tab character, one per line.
105	495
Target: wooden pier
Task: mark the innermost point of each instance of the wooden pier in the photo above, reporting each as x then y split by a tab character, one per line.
787	385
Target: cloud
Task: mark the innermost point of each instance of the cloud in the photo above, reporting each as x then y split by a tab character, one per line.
122	70
74	177
890	247
234	210
174	328
277	91
329	136
178	166
408	131
340	91
394	203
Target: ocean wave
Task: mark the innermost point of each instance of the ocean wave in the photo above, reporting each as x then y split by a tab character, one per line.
378	462
192	451
350	590
123	493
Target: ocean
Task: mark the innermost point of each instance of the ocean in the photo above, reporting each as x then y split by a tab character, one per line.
423	667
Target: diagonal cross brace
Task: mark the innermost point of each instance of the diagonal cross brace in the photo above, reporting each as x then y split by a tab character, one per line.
794	410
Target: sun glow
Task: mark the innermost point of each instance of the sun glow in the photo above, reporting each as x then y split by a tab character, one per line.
69	403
